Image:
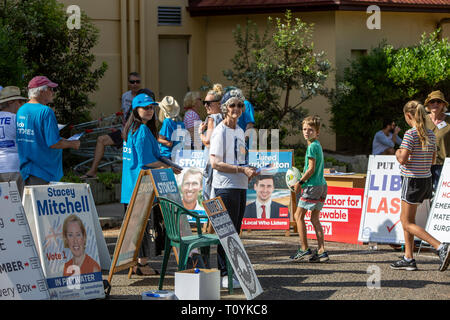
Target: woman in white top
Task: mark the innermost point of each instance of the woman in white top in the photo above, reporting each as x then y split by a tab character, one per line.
230	175
205	130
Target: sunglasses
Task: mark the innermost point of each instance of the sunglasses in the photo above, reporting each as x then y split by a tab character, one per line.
134	81
434	101
208	103
239	105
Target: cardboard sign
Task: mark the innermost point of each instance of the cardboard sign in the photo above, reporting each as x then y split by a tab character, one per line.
149	185
267	194
190	180
133	225
165	185
438	224
21	275
380	221
64	230
234	249
340	216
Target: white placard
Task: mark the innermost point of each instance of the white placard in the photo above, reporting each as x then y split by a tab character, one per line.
380	220
66	232
21	275
233	247
438	224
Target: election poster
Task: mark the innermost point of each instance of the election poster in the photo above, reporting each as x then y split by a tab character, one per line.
165	185
21	274
234	249
438	224
268	198
66	237
340	216
190	180
380	220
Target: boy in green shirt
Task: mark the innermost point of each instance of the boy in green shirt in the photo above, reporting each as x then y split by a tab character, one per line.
314	191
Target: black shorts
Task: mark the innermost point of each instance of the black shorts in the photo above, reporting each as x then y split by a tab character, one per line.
116	136
416	190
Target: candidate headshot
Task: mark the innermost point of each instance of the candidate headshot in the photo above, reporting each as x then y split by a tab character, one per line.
191	186
263	207
75	237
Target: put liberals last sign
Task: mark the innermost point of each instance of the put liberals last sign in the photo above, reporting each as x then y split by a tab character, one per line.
380	221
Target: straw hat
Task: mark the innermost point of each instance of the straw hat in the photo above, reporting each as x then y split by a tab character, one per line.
168	108
10	93
436	95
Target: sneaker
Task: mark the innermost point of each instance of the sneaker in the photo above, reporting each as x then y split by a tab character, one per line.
236	284
300	254
316	257
404	265
444	256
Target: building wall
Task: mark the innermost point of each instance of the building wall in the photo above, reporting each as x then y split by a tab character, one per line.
134	46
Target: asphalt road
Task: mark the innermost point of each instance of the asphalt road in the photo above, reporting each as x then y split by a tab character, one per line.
353	273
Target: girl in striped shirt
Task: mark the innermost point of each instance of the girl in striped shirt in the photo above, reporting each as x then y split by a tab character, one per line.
416	155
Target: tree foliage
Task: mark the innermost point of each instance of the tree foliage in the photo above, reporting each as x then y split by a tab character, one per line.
376	87
42	44
275	64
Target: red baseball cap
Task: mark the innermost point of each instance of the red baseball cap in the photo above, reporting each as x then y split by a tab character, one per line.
40	81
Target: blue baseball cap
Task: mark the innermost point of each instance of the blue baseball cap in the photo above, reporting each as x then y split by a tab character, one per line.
142	100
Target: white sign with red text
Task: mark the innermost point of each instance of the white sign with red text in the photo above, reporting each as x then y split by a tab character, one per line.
21	274
438	224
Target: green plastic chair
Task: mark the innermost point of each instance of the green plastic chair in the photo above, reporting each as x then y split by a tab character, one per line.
172	212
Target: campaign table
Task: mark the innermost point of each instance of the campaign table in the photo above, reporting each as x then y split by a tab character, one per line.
357	180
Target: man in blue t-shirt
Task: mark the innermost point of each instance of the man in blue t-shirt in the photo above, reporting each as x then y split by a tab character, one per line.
38	141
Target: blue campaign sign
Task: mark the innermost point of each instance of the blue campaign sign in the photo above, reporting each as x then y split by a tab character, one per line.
166	184
190	184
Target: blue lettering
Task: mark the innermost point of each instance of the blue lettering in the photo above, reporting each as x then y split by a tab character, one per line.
42	208
372	187
396	183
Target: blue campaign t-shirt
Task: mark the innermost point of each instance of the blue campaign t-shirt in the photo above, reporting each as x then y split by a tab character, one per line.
248	116
141	148
167	129
37	130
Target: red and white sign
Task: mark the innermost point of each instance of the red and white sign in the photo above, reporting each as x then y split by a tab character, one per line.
265	224
340	216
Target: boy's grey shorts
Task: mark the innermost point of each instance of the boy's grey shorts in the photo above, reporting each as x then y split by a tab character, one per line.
313	197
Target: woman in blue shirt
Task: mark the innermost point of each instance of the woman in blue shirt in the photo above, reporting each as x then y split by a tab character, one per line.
140	151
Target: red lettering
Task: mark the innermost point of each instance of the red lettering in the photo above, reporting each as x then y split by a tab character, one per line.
395	203
369	206
383	206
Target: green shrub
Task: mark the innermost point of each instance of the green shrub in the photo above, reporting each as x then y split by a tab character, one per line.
376	87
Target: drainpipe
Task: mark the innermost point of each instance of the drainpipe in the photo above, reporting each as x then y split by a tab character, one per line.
132	33
142	43
123	44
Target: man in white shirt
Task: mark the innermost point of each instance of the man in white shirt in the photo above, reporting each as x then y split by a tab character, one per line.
10	102
264	207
